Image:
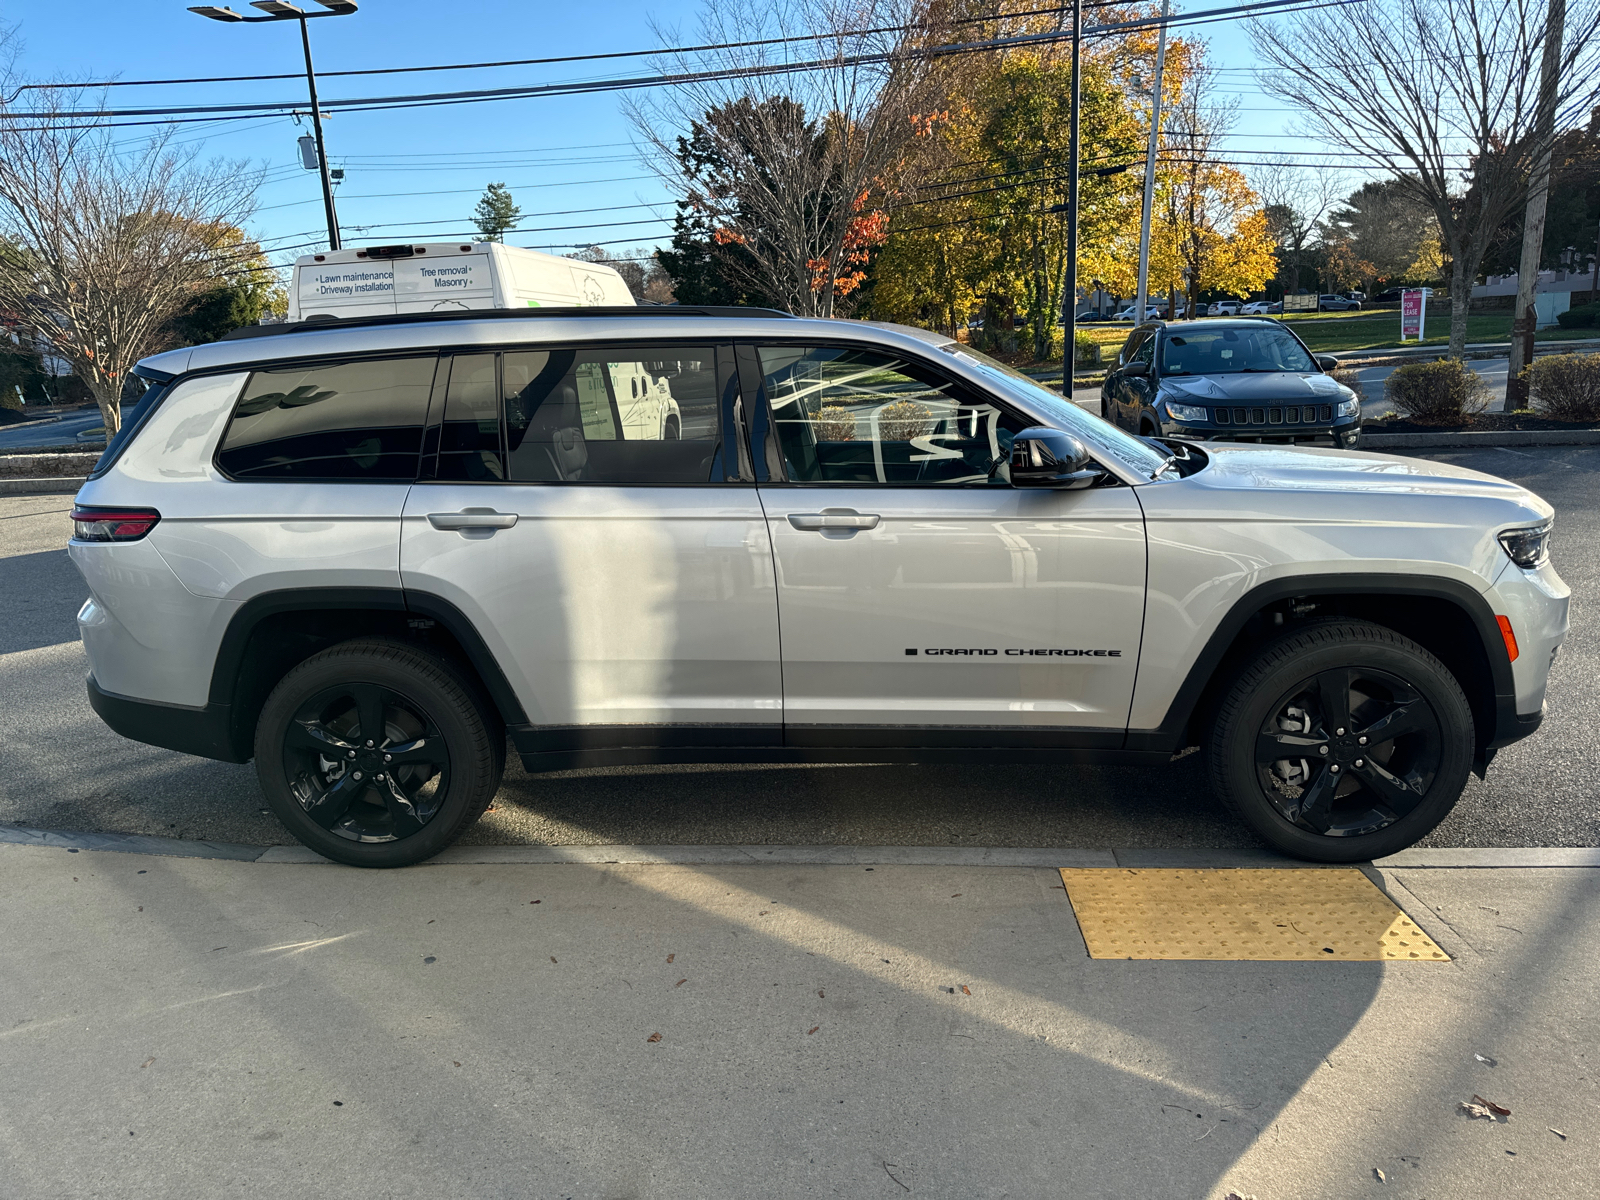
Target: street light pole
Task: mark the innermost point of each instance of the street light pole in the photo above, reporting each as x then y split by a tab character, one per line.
1150	166
322	150
1069	298
281	10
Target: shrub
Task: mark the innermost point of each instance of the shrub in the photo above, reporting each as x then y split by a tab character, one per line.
1088	350
1352	380
1566	387
10	399
835	424
1581	317
1445	392
904	420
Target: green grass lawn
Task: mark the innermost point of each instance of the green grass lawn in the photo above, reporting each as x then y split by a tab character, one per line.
1380	329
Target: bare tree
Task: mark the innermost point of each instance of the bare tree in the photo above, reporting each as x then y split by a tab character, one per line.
793	167
1441	95
1296	200
101	248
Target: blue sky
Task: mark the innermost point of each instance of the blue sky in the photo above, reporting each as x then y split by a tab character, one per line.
415	174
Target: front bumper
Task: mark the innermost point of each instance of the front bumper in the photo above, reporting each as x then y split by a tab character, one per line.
1341	434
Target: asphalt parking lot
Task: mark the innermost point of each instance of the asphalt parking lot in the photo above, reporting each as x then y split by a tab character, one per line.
64	770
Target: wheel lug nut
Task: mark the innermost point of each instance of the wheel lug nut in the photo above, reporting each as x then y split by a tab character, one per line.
1322	749
1336	733
379	776
1334	768
387	757
369	740
1359	763
358	774
352	754
1361	741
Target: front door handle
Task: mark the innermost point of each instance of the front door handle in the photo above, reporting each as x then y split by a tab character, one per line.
834	520
473	518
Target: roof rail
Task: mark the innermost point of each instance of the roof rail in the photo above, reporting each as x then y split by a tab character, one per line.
328	321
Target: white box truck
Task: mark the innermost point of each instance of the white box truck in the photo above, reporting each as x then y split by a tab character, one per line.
417	277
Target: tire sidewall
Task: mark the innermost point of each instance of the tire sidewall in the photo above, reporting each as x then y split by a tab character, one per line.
1233	747
449	707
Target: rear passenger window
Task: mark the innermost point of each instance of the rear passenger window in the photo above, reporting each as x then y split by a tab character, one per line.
635	415
357	421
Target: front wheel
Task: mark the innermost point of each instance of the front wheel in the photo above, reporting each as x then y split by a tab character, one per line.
375	754
1341	743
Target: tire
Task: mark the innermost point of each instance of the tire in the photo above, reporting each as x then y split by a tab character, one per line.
1285	701
669	430
439	761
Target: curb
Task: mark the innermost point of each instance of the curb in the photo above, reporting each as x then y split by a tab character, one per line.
1486	438
53	485
31	424
1473	349
832	856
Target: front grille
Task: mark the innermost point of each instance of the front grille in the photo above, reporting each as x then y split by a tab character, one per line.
1307	414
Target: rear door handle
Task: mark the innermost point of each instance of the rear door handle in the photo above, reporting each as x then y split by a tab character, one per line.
473	518
834	519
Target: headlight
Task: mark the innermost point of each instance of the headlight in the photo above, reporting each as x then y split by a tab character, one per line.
1348	408
1186	412
1528	548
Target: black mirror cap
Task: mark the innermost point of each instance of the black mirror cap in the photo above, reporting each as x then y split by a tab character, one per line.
1048	458
1327	363
1136	368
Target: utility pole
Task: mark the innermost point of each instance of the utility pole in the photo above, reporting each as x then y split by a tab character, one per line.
1524	322
322	149
1150	165
1069	288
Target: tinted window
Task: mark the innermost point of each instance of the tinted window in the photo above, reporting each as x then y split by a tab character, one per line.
1131	345
469	439
355	421
640	415
1231	349
853	416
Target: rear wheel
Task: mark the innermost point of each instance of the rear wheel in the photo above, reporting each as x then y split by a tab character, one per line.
375	754
1342	742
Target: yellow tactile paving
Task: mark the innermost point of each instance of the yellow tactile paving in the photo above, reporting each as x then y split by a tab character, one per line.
1258	914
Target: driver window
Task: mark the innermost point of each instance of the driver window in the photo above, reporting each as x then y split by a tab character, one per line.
852	416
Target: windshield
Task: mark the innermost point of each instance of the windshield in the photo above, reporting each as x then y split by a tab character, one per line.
1233	349
1138	457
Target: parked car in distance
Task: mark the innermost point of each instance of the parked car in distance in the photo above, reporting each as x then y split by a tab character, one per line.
1330	302
1390	296
367	553
1261	308
1224	308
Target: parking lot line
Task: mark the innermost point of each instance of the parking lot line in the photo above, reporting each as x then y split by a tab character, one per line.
1258	915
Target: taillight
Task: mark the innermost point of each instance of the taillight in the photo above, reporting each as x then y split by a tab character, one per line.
112	524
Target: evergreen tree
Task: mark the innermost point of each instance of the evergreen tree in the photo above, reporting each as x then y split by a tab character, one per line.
496	212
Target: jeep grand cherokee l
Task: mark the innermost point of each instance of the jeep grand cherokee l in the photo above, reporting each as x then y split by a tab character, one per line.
368	553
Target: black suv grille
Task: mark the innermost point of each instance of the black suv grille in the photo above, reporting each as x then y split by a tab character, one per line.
1302	414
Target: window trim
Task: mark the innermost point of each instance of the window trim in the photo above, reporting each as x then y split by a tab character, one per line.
776	458
332	360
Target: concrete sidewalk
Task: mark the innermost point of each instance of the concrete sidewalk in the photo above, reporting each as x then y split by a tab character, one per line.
191	1027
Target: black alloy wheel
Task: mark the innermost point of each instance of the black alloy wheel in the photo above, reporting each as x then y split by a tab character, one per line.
1348	751
1342	741
366	763
378	753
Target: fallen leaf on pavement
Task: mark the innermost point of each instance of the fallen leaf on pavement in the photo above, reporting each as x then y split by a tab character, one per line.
820	996
812	1030
1551	1128
552	958
1486	1061
670	957
148	1061
654	1037
454	1063
535	901
1382	1178
966	990
680	983
1498	1110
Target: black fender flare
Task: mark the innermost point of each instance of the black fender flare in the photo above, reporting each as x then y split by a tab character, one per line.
1508	727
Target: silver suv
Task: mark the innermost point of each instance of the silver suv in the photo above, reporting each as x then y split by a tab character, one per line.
365	552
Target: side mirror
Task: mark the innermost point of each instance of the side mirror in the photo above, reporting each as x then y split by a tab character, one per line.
1137	368
1048	458
1327	363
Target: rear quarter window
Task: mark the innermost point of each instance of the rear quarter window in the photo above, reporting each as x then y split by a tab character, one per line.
355	421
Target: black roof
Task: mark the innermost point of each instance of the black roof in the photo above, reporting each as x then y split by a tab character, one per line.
328	321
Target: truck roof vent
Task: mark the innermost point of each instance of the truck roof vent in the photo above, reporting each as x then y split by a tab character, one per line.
390	251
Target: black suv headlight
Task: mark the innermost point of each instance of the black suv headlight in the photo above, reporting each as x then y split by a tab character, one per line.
1528	548
1347	408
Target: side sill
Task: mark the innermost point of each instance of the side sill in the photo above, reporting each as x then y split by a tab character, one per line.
201	731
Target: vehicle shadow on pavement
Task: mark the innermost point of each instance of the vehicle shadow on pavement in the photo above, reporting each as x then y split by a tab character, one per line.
32	588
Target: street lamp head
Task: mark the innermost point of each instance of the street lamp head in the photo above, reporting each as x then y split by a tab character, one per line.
217	12
340	8
278	8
